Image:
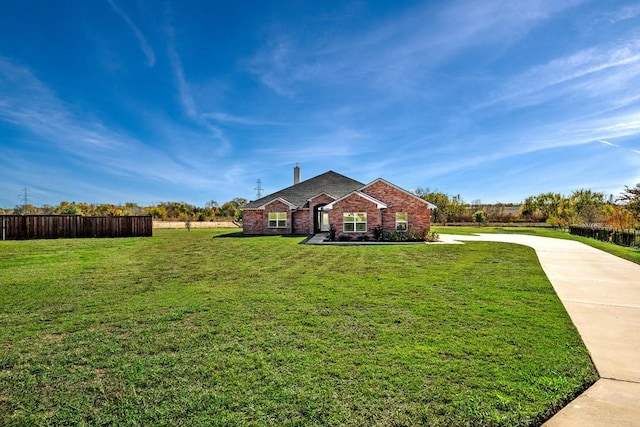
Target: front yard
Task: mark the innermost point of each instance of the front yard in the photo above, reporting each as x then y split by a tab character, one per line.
199	328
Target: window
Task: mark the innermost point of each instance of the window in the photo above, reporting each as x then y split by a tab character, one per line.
277	219
402	221
355	222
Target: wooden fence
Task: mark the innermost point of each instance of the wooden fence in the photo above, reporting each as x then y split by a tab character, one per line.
629	238
22	227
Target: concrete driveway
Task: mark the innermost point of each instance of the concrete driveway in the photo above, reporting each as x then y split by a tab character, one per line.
601	293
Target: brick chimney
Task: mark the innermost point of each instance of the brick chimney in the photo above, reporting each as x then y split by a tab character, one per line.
296	175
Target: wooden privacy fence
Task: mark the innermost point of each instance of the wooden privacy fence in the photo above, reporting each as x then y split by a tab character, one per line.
629	238
22	227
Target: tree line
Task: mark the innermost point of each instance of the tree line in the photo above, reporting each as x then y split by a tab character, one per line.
581	207
181	211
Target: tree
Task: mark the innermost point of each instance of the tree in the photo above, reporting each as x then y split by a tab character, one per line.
211	204
543	207
479	217
210	211
630	198
132	208
156	211
231	209
548	204
619	217
67	208
25	209
529	207
447	207
586	207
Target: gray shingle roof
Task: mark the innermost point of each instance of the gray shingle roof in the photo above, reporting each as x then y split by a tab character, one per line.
329	182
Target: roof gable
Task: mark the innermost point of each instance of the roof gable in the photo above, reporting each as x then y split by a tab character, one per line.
321	194
380	180
278	199
378	203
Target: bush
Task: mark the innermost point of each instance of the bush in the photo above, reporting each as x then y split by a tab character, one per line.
378	232
432	236
332	233
479	217
412	236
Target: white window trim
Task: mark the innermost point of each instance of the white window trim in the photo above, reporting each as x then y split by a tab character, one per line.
405	222
277	220
355	223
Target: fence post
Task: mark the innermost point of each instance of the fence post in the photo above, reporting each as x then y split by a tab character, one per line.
4	227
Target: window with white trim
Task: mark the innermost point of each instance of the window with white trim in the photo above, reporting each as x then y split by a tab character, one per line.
277	219
402	221
354	222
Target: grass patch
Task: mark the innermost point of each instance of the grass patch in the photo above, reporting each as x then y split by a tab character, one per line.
189	328
630	254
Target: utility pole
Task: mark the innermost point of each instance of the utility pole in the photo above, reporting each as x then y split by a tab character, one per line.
258	188
24	195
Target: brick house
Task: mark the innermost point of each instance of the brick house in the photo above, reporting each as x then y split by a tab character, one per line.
330	199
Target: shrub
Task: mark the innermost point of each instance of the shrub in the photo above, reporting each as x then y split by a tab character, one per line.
394	236
479	217
412	236
378	232
332	233
432	236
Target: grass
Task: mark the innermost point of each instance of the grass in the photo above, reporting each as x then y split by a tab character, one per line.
195	328
630	254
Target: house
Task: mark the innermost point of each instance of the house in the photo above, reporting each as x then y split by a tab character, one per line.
330	199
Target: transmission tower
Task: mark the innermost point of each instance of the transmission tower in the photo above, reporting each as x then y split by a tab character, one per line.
258	188
24	198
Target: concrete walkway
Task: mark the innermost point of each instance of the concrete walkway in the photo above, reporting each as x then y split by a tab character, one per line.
601	293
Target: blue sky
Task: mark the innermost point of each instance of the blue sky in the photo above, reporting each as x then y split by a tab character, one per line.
148	101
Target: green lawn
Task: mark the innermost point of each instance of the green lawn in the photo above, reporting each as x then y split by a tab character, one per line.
630	254
198	328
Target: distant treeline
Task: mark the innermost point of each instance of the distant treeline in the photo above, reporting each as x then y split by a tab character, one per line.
581	207
182	211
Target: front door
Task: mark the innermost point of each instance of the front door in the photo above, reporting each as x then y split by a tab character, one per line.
320	220
324	220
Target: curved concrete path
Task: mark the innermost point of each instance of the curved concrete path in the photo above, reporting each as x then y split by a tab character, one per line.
601	293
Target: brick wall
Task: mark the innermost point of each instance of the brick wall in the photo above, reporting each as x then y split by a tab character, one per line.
354	203
253	221
257	221
399	201
301	219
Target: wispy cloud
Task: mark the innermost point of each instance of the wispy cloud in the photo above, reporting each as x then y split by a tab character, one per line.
185	96
608	143
623	13
340	142
238	120
142	40
395	52
27	103
543	82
